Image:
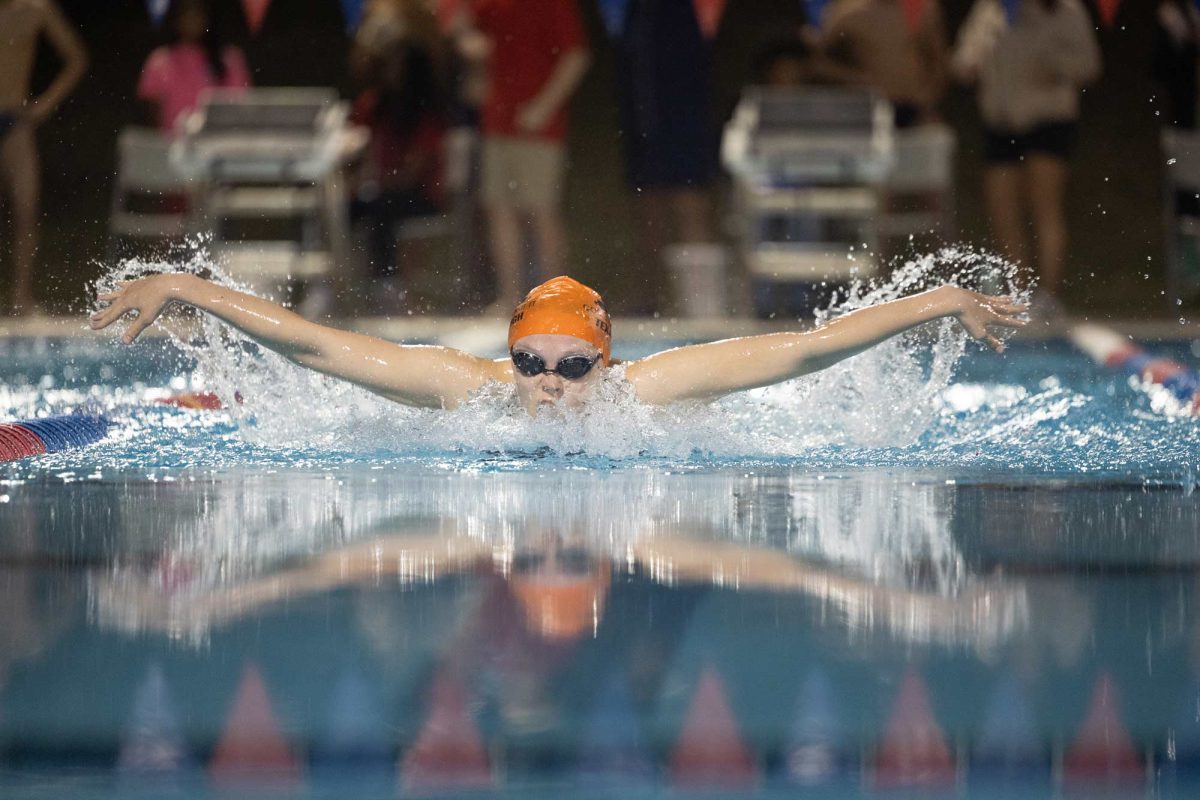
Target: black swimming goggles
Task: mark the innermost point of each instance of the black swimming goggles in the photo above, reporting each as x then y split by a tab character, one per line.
571	368
572	561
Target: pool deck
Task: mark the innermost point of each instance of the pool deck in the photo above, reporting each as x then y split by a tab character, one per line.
482	333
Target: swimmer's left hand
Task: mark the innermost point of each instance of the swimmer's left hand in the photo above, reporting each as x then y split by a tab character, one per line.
144	299
978	312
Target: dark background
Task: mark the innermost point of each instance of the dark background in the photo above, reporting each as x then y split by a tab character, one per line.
1115	195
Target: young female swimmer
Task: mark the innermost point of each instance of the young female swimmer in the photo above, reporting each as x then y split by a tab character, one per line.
558	341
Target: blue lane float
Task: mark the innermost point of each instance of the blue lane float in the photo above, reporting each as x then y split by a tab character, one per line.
31	437
1110	349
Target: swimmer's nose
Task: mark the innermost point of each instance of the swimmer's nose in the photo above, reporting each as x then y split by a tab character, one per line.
552	385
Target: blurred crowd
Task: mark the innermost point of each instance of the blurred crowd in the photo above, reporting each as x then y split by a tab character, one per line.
467	106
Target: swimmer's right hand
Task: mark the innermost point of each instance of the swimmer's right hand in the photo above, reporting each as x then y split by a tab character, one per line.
145	298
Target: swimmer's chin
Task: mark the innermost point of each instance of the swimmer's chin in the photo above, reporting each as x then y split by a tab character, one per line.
551	407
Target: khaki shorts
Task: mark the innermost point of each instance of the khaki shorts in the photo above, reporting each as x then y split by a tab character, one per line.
527	173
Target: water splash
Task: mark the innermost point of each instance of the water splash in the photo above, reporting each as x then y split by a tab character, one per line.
888	397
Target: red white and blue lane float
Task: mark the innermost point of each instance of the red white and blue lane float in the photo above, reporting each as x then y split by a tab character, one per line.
32	437
1110	349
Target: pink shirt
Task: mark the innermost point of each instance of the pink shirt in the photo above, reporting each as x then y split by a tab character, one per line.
175	77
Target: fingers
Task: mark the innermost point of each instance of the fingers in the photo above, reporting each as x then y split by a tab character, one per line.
137	326
994	343
108	297
1008	322
107	316
1006	304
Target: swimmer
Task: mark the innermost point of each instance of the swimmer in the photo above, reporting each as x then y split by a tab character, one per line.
559	343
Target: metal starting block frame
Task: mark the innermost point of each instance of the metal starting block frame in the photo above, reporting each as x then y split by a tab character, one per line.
809	167
266	159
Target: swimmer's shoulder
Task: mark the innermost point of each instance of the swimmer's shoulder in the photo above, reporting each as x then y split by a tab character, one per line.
500	369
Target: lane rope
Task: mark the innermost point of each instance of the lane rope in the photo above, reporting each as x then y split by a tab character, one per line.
32	437
1110	349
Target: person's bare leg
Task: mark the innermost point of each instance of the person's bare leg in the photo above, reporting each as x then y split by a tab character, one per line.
1002	197
1046	178
693	215
19	169
653	223
504	228
550	235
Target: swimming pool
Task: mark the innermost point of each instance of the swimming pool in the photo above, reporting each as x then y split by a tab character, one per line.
988	589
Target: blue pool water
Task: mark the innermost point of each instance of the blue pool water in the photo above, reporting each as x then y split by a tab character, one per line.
932	570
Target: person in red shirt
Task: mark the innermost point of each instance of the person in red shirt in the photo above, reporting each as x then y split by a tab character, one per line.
537	56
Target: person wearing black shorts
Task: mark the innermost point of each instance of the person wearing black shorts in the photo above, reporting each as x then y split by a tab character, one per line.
1050	139
1029	71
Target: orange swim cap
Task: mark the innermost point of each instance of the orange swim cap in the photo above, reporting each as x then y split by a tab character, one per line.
562	609
565	306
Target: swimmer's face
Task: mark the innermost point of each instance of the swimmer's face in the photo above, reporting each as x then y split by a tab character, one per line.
549	389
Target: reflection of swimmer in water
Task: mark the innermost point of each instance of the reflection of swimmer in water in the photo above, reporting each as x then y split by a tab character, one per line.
559	344
553	589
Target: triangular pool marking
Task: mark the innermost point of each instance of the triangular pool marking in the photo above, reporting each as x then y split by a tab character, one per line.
449	752
252	747
710	751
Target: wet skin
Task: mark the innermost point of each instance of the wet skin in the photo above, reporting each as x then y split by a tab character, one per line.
549	389
433	376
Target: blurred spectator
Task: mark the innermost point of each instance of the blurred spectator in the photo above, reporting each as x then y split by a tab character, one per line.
386	25
787	63
665	83
1177	60
23	23
177	74
403	177
1177	70
1029	75
874	43
537	56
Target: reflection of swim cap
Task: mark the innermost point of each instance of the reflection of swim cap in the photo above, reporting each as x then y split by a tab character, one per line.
561	608
565	306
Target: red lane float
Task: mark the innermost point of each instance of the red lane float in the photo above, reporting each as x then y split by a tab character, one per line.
200	401
1110	349
206	401
32	437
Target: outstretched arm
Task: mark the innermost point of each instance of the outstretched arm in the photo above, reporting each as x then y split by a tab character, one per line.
427	376
708	371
